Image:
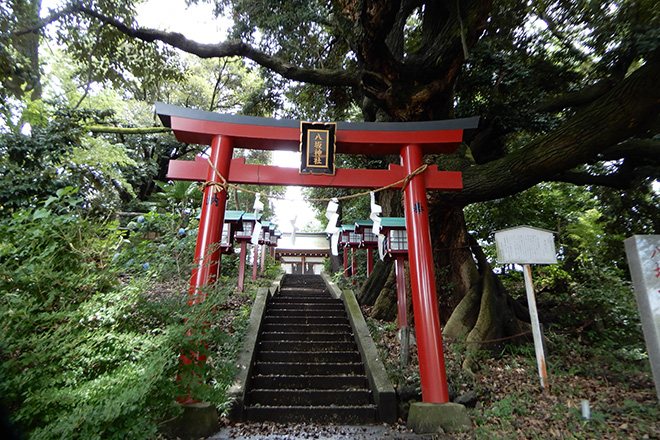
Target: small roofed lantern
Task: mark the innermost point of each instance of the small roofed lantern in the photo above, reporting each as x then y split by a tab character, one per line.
274	239
264	238
396	248
365	229
264	241
396	236
233	222
368	240
343	237
245	233
349	239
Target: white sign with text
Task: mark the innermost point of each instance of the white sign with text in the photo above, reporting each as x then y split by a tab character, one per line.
525	245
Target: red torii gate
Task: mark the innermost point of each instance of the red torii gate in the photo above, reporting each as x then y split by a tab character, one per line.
409	139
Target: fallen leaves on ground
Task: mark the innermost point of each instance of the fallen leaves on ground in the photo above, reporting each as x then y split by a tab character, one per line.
511	404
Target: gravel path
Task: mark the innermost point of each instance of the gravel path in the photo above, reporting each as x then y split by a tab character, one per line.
273	431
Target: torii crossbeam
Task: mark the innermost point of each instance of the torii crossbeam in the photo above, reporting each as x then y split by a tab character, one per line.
408	139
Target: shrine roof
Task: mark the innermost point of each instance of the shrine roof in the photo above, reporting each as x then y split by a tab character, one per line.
361	225
233	216
200	127
393	222
304	243
249	216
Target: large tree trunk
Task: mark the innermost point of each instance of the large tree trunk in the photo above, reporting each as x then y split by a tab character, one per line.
456	273
372	288
473	302
385	305
27	45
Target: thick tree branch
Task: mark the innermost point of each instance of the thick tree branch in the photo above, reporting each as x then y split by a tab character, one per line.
324	77
52	17
617	180
615	117
576	99
373	24
640	149
127	130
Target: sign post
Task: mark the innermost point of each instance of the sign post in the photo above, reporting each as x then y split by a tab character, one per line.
527	245
536	327
644	260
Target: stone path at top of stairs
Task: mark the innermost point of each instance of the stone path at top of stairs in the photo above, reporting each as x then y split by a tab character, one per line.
308	368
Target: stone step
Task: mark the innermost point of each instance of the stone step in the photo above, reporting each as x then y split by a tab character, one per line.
313	287
307	336
295	295
305	328
332	382
306	312
313	320
307	346
305	299
312	357
310	291
338	415
311	369
311	397
307	366
281	305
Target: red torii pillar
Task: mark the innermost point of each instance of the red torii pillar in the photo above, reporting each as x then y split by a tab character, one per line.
207	249
410	140
422	280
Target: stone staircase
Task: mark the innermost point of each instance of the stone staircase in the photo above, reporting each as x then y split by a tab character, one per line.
307	366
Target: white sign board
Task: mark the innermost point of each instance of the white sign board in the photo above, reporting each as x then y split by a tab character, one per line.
643	253
525	245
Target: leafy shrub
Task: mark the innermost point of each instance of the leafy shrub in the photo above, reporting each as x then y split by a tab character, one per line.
84	355
158	243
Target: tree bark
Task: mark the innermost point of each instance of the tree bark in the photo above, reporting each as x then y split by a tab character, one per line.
27	45
626	110
385	306
455	271
373	287
487	316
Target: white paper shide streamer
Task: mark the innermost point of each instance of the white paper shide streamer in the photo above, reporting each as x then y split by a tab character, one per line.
258	207
332	228
376	210
294	228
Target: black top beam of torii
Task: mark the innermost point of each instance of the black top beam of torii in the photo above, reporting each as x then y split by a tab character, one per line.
200	127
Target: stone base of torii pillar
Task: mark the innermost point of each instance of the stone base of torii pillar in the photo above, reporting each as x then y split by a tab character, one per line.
432	418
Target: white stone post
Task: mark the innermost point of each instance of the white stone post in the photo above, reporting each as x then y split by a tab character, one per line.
644	261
